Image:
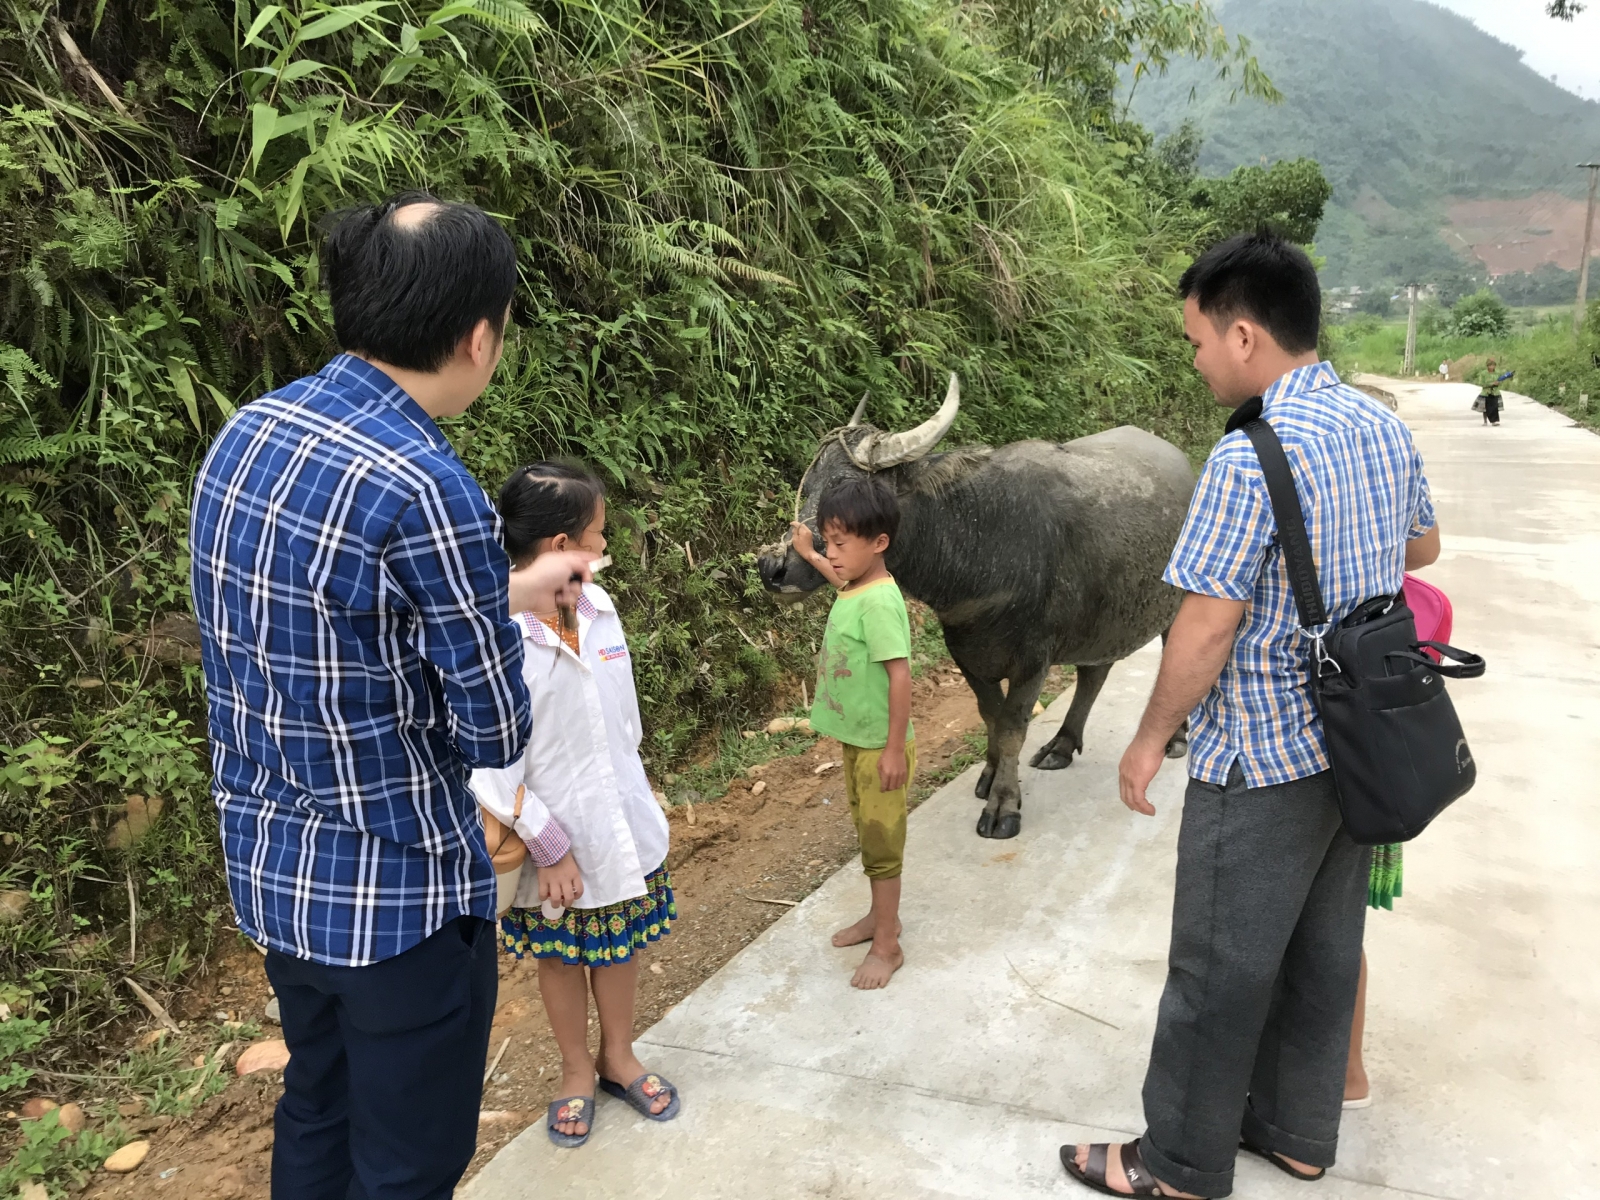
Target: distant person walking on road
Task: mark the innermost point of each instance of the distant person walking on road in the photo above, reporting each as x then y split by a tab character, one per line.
580	801
1444	372
359	653
863	698
1487	377
1252	1035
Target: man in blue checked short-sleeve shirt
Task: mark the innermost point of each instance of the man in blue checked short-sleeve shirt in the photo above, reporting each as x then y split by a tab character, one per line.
355	616
1254	1025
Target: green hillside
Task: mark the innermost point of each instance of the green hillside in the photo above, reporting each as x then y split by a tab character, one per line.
1406	106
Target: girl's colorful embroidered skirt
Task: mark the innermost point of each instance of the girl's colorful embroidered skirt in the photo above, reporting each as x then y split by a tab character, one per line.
595	937
1383	888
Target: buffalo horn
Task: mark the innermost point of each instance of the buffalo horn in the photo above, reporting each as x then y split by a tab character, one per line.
891	449
861	410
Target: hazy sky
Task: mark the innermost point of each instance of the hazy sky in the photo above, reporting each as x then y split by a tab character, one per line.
1569	51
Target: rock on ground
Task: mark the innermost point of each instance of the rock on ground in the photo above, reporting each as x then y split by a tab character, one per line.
270	1055
128	1158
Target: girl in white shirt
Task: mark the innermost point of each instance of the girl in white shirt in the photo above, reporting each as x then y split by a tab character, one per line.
586	812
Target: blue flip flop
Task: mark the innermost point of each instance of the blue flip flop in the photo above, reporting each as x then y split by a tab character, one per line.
642	1093
571	1108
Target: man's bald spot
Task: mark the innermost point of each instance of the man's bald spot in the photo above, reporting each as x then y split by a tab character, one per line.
410	216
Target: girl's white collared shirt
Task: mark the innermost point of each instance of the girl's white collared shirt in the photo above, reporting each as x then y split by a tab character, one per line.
581	767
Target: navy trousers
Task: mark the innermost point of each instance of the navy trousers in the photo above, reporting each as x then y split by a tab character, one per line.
381	1094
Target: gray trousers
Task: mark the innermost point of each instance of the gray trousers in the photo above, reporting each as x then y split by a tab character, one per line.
1254	1025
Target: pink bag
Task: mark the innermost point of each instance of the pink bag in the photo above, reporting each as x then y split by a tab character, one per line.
1431	609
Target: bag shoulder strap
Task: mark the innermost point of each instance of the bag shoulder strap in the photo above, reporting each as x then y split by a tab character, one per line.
1291	522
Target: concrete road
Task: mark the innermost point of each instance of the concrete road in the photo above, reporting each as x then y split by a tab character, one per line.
1023	1017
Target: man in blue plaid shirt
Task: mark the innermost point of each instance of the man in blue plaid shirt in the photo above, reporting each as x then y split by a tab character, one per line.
360	658
1254	1025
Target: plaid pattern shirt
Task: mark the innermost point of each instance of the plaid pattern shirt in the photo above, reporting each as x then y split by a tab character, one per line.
359	658
1364	496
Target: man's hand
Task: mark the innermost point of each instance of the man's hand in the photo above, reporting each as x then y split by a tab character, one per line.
1140	762
561	883
547	582
892	768
1198	646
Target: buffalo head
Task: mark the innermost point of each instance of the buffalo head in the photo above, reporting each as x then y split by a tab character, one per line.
856	449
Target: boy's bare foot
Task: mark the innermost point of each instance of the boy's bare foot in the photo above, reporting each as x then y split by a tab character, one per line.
877	968
861	931
578	1081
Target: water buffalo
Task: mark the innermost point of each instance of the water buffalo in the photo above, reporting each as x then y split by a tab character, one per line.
1031	554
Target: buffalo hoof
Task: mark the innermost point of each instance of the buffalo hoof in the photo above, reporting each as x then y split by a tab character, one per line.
1055	754
985	782
999	825
1051	760
1178	747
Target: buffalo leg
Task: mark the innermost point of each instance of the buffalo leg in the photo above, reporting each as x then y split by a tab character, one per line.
991	699
1058	751
1002	815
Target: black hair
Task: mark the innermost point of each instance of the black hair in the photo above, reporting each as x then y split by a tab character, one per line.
864	505
1262	277
544	499
408	295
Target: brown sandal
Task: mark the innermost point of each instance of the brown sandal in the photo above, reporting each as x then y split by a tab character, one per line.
1093	1174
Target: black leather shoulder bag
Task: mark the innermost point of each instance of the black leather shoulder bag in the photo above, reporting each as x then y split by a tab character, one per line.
1398	753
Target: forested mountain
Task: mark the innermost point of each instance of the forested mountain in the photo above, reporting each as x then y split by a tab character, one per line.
1410	109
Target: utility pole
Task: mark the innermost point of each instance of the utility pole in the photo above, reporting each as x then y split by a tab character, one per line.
1588	242
1411	331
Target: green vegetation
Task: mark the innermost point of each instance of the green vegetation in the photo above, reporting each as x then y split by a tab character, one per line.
1287	197
49	1151
733	218
1549	285
975	748
1404	104
163	1077
157	1077
1480	315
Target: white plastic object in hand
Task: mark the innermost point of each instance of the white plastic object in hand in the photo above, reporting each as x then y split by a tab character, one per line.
551	910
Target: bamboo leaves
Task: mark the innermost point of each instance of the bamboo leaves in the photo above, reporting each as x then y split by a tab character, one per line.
336	18
184	386
264	18
263	128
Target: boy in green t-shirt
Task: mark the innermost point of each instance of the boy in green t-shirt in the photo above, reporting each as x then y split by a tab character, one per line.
863	698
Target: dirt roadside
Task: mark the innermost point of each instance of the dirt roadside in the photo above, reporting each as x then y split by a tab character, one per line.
738	853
